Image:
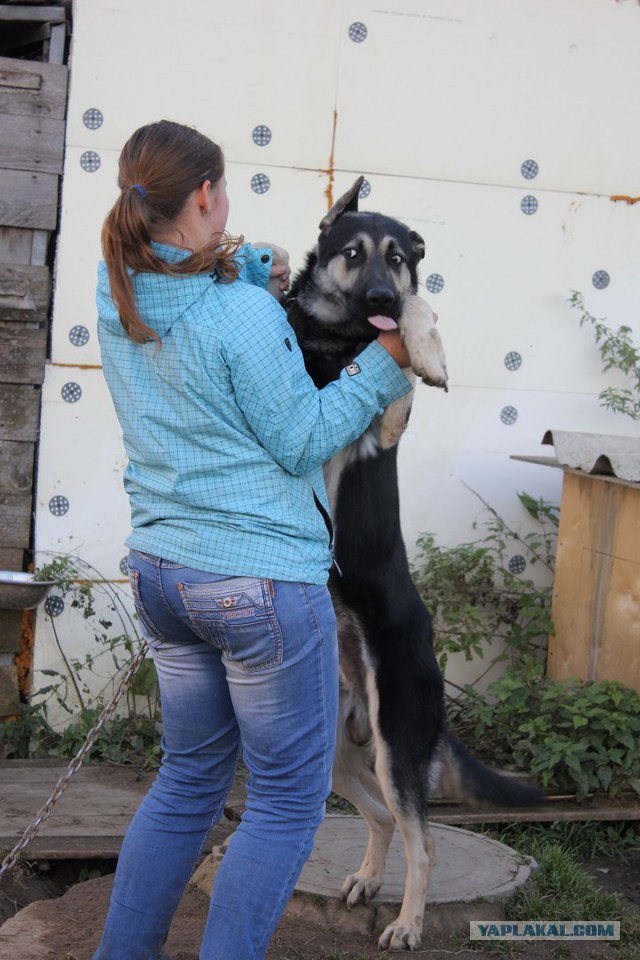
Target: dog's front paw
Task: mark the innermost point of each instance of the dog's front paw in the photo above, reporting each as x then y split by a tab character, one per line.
400	936
418	330
359	888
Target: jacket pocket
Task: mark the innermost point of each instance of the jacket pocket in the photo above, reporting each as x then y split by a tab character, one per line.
236	615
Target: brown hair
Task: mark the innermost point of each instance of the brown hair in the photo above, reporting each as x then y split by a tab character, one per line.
161	164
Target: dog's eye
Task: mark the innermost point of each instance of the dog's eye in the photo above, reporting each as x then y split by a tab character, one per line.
350	253
396	258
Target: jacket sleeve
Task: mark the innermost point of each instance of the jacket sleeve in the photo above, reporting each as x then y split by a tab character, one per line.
301	426
255	264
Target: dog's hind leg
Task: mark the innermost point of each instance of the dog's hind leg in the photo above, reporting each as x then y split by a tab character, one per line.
405	932
405	729
354	779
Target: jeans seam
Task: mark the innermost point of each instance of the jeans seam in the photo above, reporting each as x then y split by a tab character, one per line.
165	602
217	814
295	870
323	692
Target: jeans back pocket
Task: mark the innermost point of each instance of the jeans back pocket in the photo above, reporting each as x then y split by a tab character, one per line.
237	615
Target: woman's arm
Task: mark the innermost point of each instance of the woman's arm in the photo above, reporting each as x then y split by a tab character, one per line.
301	426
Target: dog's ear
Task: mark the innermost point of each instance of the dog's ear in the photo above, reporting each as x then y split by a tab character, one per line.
417	244
347	203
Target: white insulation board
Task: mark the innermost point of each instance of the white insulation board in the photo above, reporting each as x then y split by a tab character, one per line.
498	129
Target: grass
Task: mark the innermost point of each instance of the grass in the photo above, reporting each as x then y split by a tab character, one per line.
560	889
585	840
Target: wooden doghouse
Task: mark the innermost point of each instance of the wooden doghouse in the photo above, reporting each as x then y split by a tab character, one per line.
596	593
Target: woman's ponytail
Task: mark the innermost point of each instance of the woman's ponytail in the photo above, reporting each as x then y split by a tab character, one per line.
124	230
160	166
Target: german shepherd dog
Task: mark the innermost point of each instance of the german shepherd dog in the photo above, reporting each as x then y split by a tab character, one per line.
393	749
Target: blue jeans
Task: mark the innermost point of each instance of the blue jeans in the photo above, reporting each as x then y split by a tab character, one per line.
243	664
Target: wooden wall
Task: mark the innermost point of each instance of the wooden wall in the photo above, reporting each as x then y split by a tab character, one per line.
33	97
596	593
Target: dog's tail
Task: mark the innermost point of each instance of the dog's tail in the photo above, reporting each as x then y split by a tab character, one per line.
463	777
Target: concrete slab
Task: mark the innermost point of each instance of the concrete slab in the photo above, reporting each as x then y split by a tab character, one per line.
471	878
468	866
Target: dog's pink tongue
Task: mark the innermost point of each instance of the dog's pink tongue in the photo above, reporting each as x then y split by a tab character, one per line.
383	323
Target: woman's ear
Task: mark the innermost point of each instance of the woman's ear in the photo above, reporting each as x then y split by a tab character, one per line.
203	196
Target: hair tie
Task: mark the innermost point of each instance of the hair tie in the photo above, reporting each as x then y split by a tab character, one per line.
141	190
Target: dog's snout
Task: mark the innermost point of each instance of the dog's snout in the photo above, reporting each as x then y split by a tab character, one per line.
380	298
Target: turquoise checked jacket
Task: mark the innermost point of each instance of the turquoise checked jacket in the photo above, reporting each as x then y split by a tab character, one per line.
225	432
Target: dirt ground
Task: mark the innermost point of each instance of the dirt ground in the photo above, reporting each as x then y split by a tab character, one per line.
51	926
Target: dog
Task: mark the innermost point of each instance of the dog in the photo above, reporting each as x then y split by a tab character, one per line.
392	747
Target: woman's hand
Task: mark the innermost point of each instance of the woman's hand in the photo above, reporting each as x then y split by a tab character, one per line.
281	273
394	345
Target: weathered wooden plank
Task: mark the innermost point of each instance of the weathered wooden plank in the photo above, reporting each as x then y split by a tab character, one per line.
15	519
16	467
19	412
74	821
27	764
24	292
9	692
15	11
10	629
28	87
15	242
39	247
71	848
28	199
31	143
11	558
91	817
99	795
22	355
545	814
596	592
57	43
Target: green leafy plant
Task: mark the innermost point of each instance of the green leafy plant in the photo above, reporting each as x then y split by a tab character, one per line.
571	737
84	589
475	596
578	737
22	737
132	738
618	352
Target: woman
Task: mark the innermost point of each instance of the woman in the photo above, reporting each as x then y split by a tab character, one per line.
226	435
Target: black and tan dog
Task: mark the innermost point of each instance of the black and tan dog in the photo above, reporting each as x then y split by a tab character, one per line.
392	745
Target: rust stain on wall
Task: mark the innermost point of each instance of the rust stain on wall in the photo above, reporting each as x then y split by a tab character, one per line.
79	366
329	190
24	659
620	198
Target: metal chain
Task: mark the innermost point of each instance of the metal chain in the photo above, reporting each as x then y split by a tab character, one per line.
75	764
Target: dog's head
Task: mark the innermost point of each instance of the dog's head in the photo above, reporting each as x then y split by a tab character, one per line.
366	264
